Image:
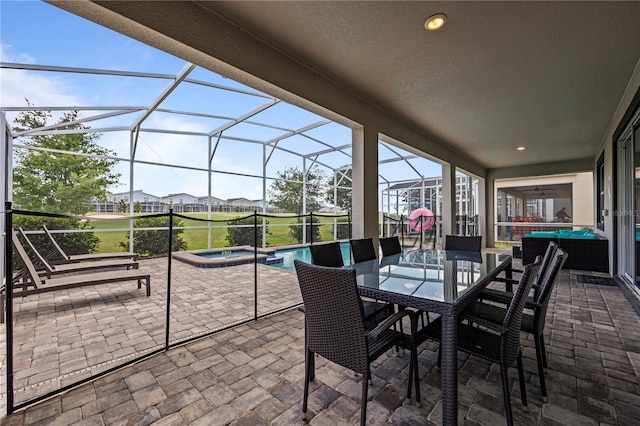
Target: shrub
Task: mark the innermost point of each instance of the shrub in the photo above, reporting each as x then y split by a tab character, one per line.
343	228
296	230
244	236
152	242
70	242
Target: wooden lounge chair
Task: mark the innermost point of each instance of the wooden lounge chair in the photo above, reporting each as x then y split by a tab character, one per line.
87	256
65	268
32	283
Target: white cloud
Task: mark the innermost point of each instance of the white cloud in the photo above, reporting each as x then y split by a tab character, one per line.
41	89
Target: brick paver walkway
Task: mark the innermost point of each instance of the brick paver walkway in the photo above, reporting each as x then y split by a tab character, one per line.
253	373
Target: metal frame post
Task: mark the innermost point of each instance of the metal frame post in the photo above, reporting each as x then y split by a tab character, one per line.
9	305
169	278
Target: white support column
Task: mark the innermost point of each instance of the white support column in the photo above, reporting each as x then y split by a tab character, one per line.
480	208
132	153
209	187
503	214
489	211
304	200
265	160
365	183
335	204
448	200
5	184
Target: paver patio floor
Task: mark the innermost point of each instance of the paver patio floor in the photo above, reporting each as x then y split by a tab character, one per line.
253	373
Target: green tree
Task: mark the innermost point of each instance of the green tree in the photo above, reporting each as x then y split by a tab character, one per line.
344	192
238	235
151	242
137	207
49	181
60	183
286	193
122	206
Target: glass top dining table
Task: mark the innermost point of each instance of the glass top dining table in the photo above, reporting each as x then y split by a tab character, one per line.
439	281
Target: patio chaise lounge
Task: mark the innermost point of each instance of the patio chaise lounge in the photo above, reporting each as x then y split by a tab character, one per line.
87	256
66	268
32	283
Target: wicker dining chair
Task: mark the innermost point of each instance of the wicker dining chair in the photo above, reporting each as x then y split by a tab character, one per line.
390	245
330	255
327	254
531	323
498	294
362	250
499	343
335	328
461	243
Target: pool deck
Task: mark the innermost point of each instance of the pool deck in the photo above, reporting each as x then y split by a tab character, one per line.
252	374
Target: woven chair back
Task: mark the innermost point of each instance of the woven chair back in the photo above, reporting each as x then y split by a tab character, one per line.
546	287
328	254
513	317
333	315
549	255
390	245
362	250
459	243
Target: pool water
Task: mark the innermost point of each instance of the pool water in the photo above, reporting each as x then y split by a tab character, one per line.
304	254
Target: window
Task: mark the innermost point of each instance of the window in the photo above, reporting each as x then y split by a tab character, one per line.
146	199
600	188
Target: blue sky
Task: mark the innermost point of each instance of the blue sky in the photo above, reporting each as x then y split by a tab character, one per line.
38	33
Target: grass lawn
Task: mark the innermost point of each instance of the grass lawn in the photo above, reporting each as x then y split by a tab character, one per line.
278	228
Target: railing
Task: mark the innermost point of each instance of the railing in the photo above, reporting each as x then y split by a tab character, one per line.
187	302
431	237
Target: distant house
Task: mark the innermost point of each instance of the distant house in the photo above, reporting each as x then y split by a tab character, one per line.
240	202
181	202
149	203
215	201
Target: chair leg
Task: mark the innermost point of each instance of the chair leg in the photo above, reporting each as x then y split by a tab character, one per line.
540	360
410	381
312	360
416	374
363	404
523	389
505	394
544	352
307	378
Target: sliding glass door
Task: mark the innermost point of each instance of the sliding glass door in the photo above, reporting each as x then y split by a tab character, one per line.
628	196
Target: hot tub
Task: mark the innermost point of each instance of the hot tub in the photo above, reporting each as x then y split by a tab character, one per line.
228	256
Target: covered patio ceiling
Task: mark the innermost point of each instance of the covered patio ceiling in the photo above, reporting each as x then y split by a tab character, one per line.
544	75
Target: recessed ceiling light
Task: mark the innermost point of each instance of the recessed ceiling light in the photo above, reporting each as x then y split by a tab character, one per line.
435	22
521	148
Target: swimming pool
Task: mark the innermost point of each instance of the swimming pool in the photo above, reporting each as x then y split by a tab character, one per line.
304	254
230	256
